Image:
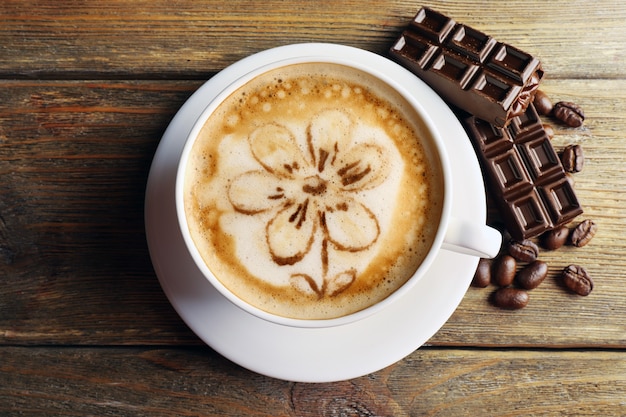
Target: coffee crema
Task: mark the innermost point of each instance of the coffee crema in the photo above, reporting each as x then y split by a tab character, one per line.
313	191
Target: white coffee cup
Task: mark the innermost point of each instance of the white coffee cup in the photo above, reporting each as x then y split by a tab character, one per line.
473	238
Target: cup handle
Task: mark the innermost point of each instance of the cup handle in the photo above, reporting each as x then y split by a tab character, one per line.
472	238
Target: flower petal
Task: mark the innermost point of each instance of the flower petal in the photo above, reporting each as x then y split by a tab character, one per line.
290	233
329	132
351	226
256	191
274	147
306	284
340	282
363	166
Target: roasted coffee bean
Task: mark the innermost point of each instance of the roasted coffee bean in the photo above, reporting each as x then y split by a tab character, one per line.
482	276
549	131
555	238
569	113
503	270
577	279
525	251
573	158
532	275
542	103
510	298
583	233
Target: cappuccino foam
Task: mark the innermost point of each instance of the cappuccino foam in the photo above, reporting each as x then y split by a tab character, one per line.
312	191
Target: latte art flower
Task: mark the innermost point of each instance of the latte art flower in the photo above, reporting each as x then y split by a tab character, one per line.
312	193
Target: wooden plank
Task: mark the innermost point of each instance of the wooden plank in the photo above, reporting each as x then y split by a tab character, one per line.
554	316
74	160
74	266
430	382
164	39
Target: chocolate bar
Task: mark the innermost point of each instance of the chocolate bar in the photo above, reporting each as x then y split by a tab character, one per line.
524	173
488	79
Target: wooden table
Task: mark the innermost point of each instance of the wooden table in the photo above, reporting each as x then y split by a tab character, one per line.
86	91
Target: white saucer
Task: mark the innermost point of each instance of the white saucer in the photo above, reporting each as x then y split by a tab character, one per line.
309	354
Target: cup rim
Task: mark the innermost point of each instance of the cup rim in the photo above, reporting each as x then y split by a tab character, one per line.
358	59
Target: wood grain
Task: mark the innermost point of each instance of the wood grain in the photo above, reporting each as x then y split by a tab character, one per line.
75	157
86	92
74	160
554	316
164	39
188	382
